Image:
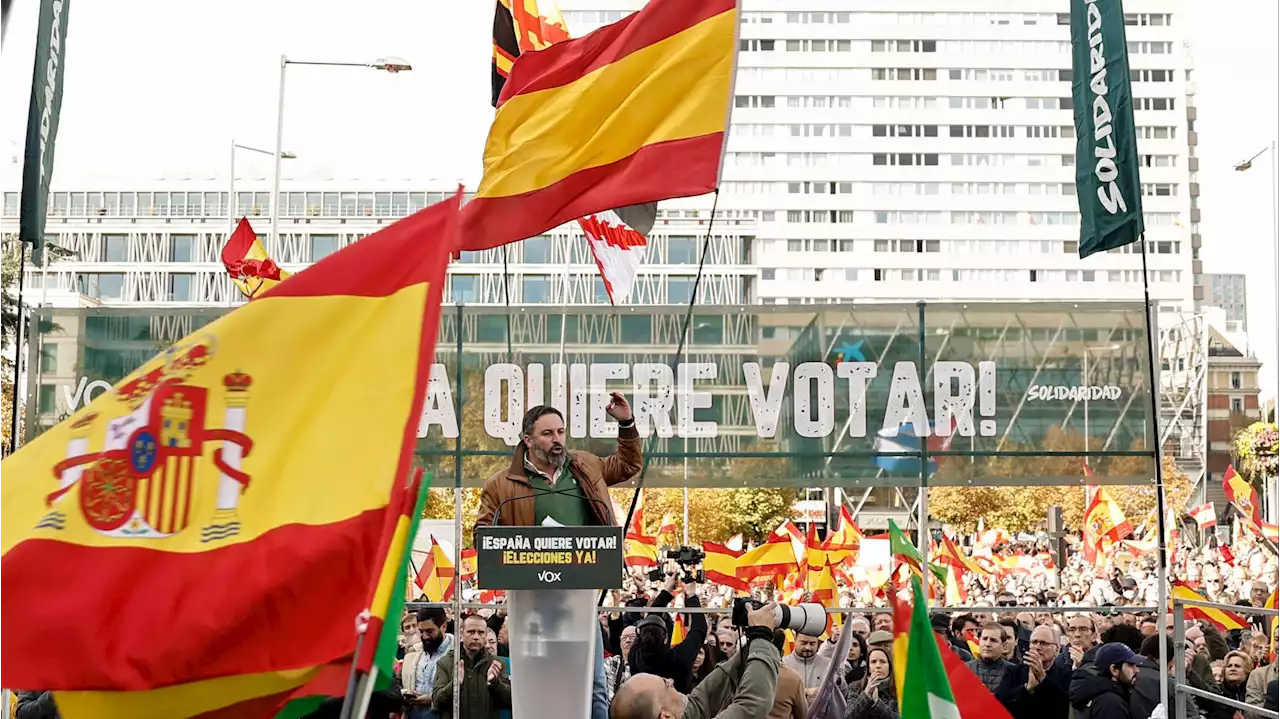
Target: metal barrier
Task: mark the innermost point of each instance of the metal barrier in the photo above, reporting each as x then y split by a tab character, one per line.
1180	687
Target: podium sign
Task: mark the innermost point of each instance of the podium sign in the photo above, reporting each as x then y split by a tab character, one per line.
549	557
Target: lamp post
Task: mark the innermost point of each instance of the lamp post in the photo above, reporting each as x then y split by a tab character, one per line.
1087	352
1275	288
390	63
231	184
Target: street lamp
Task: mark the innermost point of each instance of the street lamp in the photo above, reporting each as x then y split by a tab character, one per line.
1275	247
1275	285
1087	352
390	64
231	194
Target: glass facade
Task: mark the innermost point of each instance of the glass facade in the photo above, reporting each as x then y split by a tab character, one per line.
857	397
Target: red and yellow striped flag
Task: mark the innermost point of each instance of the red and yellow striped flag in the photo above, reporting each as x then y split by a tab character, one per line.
721	565
468	573
640	550
1224	620
218	493
248	263
634	112
1243	496
437	578
774	558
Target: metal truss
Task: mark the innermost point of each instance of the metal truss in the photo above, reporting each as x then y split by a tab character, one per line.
1184	354
148	264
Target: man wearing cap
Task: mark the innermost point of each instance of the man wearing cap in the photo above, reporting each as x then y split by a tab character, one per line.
1105	695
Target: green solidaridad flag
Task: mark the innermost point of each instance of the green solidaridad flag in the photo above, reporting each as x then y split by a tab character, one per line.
1107	185
926	690
42	124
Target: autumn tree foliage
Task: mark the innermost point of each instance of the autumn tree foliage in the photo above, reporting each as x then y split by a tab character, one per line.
1025	508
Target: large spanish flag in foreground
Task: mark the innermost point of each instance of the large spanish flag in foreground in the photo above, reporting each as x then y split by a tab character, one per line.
634	112
1221	618
227	509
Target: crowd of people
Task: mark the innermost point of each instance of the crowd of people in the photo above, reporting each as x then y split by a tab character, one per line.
1039	661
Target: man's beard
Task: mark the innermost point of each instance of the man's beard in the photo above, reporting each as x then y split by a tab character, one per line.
431	645
555	459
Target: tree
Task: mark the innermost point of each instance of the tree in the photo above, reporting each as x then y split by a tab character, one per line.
1023	508
1253	450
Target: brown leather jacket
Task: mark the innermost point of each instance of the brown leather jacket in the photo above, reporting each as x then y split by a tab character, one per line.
593	473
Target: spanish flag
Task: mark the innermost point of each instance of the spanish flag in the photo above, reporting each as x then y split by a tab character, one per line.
774	558
634	112
437	578
239	491
1224	620
248	263
1205	515
1243	496
951	555
640	550
468	573
721	565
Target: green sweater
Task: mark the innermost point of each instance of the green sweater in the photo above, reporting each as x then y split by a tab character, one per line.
569	507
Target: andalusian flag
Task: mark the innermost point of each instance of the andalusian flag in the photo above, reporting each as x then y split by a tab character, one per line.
239	491
925	689
632	113
248	263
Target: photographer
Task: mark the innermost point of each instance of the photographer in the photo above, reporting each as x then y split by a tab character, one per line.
651	653
743	685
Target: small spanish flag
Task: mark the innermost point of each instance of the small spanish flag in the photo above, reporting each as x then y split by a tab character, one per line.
437	577
248	263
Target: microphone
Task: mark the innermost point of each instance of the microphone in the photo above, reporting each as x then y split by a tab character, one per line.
537	492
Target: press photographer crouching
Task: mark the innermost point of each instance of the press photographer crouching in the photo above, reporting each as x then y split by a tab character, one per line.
743	686
651	654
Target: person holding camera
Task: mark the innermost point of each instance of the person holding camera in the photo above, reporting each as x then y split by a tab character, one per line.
651	653
743	685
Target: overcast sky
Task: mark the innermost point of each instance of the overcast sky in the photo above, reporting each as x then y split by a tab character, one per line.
159	87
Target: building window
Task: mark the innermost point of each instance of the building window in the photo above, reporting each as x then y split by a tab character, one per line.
463	288
535	289
11	204
182	248
182	287
47	398
49	357
101	286
115	248
537	250
1237	405
1236	382
322	246
682	250
679	290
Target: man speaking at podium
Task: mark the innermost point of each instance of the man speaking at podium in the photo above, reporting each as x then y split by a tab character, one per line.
546	481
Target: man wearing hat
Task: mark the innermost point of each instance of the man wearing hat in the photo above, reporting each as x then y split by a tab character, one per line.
1105	695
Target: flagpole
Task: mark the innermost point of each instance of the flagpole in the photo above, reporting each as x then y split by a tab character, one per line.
354	678
684	335
1162	569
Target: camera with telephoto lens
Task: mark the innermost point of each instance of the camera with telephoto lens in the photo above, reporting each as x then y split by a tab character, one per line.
808	618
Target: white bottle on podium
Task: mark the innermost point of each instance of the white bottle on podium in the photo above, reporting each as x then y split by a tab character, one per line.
553	634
